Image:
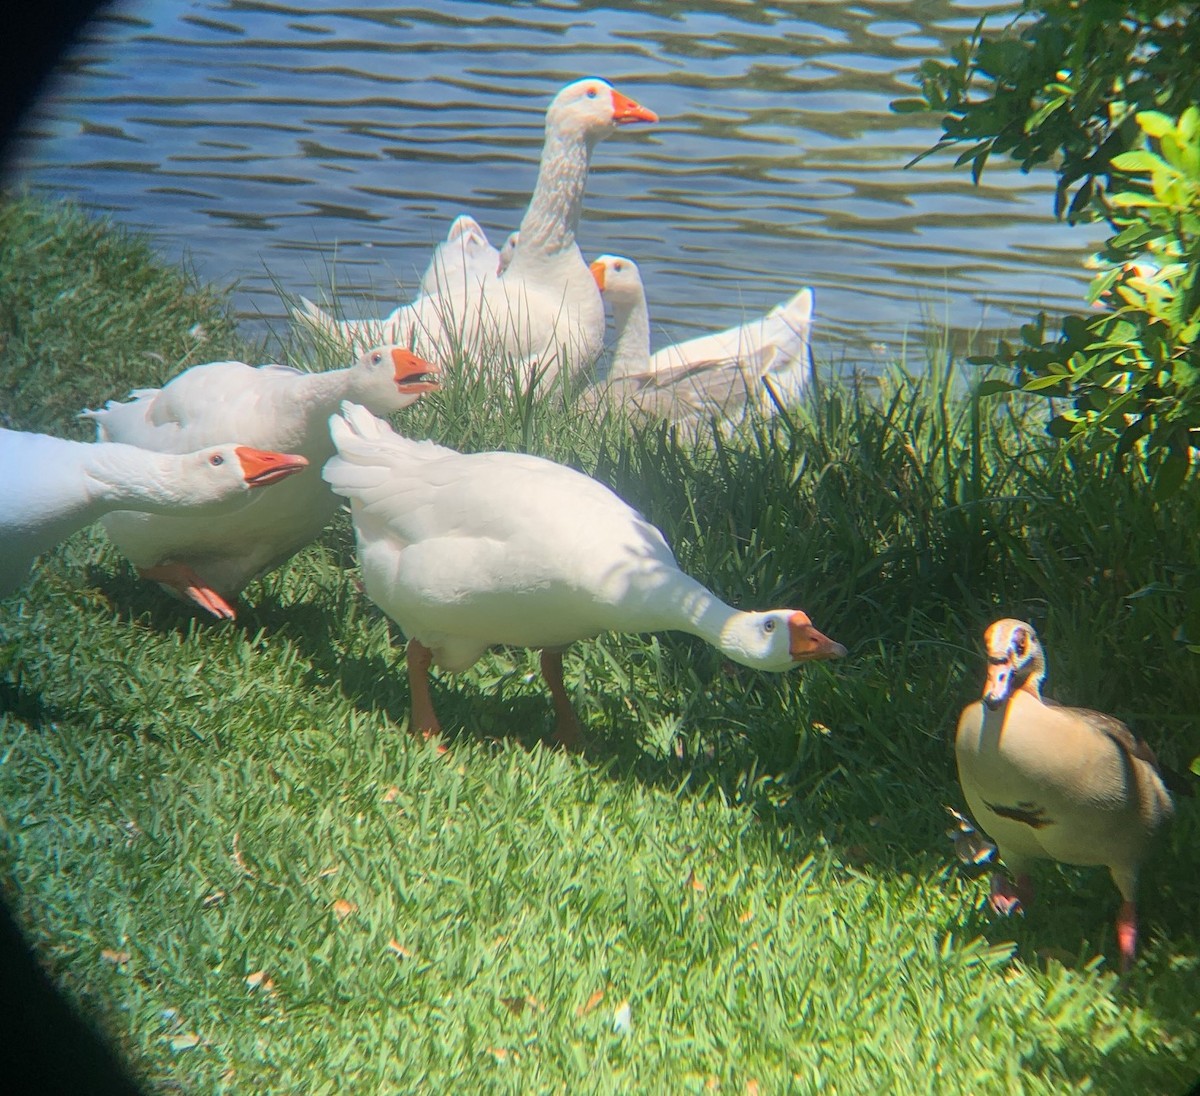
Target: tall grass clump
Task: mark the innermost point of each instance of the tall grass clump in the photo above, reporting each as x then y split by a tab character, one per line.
227	848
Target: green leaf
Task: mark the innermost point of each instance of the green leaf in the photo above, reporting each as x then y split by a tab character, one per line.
991	387
1040	384
1139	160
1154	123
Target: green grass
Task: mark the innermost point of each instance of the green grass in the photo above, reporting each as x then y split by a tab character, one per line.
228	849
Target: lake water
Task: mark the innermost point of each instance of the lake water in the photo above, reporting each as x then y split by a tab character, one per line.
293	145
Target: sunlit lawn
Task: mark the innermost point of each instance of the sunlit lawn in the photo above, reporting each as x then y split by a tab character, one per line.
229	850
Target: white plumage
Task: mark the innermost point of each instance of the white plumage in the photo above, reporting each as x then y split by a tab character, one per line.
544	309
711	376
465	551
272	407
54	487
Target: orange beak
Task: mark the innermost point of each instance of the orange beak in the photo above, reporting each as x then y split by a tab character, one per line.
597	269
625	110
414	375
261	467
807	644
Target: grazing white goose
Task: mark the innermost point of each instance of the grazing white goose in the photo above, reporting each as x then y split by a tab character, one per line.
1050	782
462	261
709	376
546	304
210	560
465	551
54	487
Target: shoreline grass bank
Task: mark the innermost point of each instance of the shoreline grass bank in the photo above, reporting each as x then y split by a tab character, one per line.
228	849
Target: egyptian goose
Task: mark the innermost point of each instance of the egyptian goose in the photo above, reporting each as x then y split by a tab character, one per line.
1050	782
465	551
54	487
546	303
210	560
712	376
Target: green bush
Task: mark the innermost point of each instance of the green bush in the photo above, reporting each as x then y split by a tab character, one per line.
1103	91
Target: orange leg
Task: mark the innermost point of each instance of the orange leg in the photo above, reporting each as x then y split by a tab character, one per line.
424	718
567	731
184	581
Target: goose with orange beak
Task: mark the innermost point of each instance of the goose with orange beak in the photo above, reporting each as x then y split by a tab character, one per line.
209	560
543	311
466	551
54	487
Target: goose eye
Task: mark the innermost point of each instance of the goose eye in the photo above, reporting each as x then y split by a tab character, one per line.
1020	644
376	358
591	93
216	460
618	266
769	625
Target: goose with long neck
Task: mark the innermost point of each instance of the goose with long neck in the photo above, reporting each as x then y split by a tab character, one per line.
465	551
1051	782
55	487
712	376
544	310
210	560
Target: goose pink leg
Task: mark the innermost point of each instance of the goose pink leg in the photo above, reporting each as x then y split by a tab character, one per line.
567	731
1005	898
181	578
1127	934
419	659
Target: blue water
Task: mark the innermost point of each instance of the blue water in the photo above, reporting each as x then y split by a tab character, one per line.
296	147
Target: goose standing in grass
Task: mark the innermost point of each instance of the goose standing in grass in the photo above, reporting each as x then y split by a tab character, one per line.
712	376
1050	782
210	560
54	487
546	304
466	551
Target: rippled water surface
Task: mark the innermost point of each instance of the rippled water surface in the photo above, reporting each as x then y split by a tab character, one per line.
297	145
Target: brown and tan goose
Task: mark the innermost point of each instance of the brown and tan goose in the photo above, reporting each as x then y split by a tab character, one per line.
1058	783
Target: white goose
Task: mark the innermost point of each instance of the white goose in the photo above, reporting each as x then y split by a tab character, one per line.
211	560
54	487
546	303
462	261
712	376
465	551
1057	783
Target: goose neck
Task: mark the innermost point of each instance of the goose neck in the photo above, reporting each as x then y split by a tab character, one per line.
552	218
631	354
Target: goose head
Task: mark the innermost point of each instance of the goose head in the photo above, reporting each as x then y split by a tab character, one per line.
618	279
391	377
221	471
777	640
592	108
1015	661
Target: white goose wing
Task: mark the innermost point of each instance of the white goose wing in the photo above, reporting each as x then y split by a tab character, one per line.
205	405
543	514
782	334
